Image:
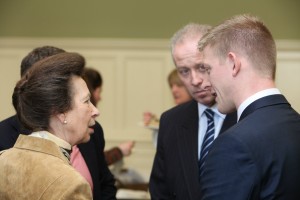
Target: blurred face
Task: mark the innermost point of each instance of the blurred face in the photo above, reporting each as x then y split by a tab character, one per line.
81	117
180	94
97	95
188	61
220	73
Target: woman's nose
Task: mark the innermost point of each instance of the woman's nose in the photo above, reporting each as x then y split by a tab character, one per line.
95	111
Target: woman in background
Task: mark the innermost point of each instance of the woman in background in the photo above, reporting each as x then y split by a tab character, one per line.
94	82
53	102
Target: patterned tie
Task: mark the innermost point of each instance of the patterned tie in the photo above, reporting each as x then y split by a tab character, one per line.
208	139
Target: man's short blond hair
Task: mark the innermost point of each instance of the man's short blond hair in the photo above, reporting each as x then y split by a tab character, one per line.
246	35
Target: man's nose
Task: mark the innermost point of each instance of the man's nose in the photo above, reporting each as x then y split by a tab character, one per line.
197	79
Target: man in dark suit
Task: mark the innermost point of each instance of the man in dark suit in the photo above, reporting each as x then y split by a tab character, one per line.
259	157
92	151
176	168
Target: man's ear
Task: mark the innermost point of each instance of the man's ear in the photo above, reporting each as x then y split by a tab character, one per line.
236	63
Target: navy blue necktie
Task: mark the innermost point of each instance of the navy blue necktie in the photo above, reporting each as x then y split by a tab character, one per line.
208	139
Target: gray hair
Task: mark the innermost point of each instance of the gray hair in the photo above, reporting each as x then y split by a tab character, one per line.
191	30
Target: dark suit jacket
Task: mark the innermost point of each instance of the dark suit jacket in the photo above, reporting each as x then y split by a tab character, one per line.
258	158
175	173
92	153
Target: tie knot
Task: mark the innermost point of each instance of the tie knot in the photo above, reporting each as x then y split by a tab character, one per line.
209	114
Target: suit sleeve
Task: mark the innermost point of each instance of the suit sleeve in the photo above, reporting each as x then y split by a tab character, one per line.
158	186
229	171
108	189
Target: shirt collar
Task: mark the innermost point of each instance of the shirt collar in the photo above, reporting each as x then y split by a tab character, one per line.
46	135
254	97
202	108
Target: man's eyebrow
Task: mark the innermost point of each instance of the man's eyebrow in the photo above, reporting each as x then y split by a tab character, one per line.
201	64
182	67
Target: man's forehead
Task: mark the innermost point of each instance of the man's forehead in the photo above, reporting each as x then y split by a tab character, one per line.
188	42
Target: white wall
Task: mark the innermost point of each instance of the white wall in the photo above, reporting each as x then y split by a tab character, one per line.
134	73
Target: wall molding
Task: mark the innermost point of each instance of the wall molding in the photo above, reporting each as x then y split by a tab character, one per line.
90	43
113	43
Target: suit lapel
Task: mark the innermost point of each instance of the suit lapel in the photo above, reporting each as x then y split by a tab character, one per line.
187	138
263	102
229	121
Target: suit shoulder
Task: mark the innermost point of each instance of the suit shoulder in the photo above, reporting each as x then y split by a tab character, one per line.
9	123
182	108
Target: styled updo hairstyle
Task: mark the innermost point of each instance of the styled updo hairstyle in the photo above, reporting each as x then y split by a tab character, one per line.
46	90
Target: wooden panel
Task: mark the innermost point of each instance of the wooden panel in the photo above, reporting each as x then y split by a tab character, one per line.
288	77
9	75
144	88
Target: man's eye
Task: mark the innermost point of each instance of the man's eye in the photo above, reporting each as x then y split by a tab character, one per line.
202	68
183	72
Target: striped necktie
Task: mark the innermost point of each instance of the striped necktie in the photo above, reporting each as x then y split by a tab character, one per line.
207	140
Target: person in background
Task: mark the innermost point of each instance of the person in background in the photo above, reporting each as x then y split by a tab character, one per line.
52	101
94	81
87	158
180	95
187	130
126	178
259	157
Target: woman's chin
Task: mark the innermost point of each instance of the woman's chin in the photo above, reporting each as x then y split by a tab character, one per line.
85	139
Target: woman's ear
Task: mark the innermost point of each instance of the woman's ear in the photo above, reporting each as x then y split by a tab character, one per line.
62	118
236	63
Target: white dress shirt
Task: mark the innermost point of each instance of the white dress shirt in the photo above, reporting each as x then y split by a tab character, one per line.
218	120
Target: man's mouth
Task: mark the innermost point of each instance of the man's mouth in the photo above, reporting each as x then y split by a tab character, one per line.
201	92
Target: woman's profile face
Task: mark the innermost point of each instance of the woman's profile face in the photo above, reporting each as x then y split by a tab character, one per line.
81	117
97	95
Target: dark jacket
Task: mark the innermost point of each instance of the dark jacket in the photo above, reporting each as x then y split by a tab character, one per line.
175	170
259	157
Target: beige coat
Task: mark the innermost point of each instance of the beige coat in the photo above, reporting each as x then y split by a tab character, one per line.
35	169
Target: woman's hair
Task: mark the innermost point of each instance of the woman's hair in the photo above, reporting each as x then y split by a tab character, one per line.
173	78
93	80
46	89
